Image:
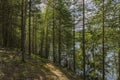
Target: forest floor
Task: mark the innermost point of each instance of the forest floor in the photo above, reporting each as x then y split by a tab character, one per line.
35	68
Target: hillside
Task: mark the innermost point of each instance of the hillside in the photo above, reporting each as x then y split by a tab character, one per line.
35	68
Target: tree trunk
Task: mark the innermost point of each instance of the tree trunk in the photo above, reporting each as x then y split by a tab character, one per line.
119	51
23	31
35	35
83	49
30	28
103	44
53	34
74	62
59	45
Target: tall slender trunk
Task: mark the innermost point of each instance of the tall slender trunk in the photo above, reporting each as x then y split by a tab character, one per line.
53	33
46	45
83	49
74	62
74	45
7	27
30	28
23	19
119	51
35	34
42	41
59	45
103	44
59	34
46	42
119	61
93	52
94	60
11	30
3	24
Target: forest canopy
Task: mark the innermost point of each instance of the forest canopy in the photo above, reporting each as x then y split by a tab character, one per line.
82	36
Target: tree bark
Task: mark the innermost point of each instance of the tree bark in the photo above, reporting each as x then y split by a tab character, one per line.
103	44
30	28
83	49
23	31
53	33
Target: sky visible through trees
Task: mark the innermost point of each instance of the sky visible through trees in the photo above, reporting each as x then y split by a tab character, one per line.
82	36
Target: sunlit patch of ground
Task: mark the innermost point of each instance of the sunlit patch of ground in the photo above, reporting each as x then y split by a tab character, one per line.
36	68
59	74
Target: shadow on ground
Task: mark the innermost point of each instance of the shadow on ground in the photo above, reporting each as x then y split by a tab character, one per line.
35	68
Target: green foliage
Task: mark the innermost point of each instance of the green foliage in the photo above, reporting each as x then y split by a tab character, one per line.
53	28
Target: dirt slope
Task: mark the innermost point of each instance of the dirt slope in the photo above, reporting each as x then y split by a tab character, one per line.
36	68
